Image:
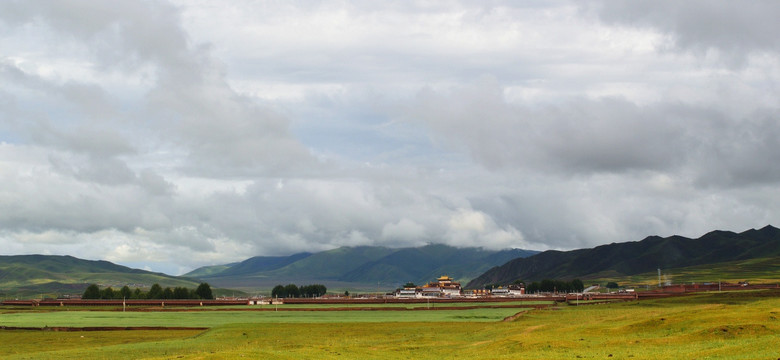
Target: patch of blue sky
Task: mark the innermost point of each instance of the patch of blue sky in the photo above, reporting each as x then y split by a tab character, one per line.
365	138
8	137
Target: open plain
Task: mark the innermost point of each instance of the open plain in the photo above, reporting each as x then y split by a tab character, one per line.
733	325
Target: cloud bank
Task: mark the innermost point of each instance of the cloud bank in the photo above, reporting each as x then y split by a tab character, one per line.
174	135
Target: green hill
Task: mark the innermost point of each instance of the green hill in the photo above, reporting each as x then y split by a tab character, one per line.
25	275
631	258
265	272
423	264
208	270
757	270
262	263
363	267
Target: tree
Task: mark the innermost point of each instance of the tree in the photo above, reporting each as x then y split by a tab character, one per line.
292	291
138	294
346	292
547	285
533	287
278	291
107	293
577	285
181	292
204	291
155	292
612	285
167	293
313	290
409	285
92	292
125	292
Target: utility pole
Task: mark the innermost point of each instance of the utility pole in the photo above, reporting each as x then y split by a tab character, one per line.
659	277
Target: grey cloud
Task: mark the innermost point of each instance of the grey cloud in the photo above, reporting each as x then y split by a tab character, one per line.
742	153
75	117
190	104
152	154
226	134
572	136
154	183
608	135
736	28
117	33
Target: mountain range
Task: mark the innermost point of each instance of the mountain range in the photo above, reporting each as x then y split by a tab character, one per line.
754	253
54	274
629	258
364	266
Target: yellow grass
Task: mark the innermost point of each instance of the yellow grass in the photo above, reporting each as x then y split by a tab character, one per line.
702	326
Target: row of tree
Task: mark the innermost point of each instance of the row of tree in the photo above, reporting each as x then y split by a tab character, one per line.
155	292
497	285
294	291
548	285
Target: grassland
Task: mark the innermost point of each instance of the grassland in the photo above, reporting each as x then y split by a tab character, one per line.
740	325
760	270
218	318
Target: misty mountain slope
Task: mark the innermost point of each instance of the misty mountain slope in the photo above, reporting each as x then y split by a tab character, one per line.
331	264
638	257
326	265
205	271
420	265
370	265
262	263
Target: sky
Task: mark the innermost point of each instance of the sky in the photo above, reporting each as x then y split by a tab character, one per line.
171	135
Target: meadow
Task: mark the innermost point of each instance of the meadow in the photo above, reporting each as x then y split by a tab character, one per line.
756	271
733	325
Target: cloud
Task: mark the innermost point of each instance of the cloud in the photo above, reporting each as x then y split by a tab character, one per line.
176	135
605	135
187	100
735	30
404	230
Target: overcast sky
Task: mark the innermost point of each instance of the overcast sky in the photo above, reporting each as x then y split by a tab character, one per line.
171	135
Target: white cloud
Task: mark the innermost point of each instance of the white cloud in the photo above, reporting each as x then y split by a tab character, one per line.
404	230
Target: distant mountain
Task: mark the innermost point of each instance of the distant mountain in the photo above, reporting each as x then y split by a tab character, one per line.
363	265
423	264
253	265
36	274
208	270
637	257
331	264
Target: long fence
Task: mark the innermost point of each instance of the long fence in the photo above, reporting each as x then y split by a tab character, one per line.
667	291
161	303
343	300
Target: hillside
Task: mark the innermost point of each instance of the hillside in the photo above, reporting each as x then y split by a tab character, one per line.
49	274
757	270
423	264
363	266
630	258
208	270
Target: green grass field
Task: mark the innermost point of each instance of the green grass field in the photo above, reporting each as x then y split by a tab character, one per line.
218	318
739	325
